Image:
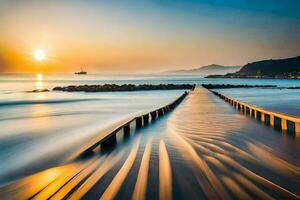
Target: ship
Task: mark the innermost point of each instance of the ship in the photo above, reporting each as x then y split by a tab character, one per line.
81	72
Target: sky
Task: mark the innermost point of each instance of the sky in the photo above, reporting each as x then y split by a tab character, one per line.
130	36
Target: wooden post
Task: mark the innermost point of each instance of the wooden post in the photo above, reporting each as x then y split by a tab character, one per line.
255	114
272	120
139	122
126	129
109	142
262	117
153	115
250	112
165	109
146	119
297	129
284	124
160	113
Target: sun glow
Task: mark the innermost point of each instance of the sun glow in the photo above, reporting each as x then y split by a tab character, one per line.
39	55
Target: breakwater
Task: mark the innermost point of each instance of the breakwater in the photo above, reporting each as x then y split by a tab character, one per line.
227	86
124	87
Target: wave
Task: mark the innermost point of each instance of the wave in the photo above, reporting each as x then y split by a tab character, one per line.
56	101
54	115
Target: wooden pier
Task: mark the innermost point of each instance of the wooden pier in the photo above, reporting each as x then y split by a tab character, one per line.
109	138
286	123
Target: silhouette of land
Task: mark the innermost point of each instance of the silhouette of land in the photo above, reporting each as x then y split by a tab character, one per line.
207	70
279	68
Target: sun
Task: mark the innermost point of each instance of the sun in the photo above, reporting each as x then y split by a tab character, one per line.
39	55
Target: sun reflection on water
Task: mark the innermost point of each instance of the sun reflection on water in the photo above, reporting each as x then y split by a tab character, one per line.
39	76
39	85
39	81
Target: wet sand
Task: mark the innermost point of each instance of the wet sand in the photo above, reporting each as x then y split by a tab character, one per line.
204	149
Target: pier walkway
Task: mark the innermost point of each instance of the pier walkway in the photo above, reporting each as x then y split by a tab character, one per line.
204	149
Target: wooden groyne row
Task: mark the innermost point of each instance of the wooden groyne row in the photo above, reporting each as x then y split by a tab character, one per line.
109	138
281	121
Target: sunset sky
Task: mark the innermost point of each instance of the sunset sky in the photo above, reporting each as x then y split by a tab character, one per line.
144	36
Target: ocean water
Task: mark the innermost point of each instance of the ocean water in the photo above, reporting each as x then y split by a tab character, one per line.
39	130
204	149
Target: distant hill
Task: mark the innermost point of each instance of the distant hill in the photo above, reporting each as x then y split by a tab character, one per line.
272	67
207	70
278	68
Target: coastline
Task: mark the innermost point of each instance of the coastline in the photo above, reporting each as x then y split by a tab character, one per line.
252	77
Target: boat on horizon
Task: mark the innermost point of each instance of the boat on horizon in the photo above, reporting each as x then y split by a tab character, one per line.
81	72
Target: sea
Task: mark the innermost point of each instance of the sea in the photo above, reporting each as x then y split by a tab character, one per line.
40	130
